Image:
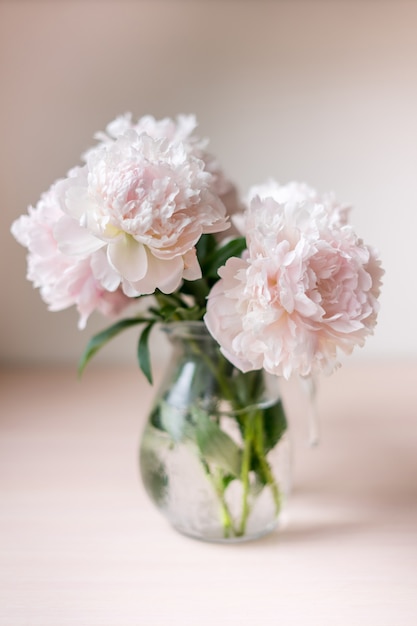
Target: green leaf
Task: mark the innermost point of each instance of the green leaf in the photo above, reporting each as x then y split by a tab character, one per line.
218	257
215	445
205	245
172	308
155	311
198	289
168	299
144	358
100	339
190	314
275	425
167	313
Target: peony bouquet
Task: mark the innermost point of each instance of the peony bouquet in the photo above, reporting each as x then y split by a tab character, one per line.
279	279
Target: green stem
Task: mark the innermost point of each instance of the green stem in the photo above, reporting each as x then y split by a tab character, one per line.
264	465
226	516
252	428
246	464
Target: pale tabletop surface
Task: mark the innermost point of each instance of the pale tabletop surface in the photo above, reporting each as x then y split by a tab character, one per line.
80	543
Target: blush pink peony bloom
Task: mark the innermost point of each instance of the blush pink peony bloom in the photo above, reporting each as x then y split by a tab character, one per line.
305	288
126	223
181	130
88	283
145	202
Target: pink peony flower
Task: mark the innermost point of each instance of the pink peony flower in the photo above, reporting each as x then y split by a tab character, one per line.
305	289
145	202
88	283
180	130
126	223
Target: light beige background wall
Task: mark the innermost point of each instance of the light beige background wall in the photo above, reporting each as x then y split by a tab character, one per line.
316	90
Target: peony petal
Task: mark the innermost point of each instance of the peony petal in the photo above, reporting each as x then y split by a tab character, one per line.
192	269
74	240
108	278
163	275
128	257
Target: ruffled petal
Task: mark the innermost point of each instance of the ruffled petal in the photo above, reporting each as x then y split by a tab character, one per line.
73	240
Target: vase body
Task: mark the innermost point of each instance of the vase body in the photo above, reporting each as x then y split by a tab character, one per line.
214	455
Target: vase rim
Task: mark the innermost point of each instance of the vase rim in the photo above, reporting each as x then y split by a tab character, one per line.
187	328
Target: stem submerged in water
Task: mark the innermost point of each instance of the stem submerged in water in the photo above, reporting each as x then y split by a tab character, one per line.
244	477
226	517
254	449
263	463
218	396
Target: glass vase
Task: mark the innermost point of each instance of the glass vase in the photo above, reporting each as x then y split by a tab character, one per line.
214	455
